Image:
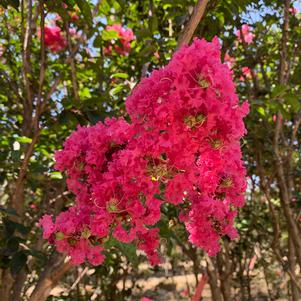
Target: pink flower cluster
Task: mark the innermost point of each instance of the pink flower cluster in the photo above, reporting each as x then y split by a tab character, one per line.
246	73
123	45
229	61
244	34
293	10
54	38
181	147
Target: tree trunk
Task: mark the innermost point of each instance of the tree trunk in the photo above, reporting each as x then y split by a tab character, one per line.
6	284
225	271
213	280
292	264
53	272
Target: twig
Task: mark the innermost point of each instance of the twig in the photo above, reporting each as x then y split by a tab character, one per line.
12	85
296	126
189	29
61	74
69	58
283	59
53	272
72	65
253	74
78	279
276	227
42	71
26	54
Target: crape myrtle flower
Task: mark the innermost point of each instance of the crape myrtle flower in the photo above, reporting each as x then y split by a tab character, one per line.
182	144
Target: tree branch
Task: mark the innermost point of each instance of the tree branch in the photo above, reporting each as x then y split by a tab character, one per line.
72	64
53	272
283	53
26	54
190	27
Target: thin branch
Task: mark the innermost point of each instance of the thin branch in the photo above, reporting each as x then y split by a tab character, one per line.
80	276
42	71
253	73
96	8
189	29
61	74
296	127
283	53
12	85
54	271
26	54
69	58
72	64
35	121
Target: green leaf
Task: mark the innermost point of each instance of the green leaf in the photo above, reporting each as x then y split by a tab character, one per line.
98	41
153	23
86	10
24	139
11	227
128	250
18	262
14	3
143	33
121	3
164	230
159	197
117	89
261	111
12	245
147	51
3	3
279	91
109	35
56	175
119	75
95	117
293	100
8	211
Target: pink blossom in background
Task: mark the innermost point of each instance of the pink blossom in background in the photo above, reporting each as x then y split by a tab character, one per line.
275	118
2	49
252	262
199	289
185	293
293	10
184	134
74	17
248	36
246	71
125	36
229	60
48	226
108	50
56	20
145	299
54	38
74	33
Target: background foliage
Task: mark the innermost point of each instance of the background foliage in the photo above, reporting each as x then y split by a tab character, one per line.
45	95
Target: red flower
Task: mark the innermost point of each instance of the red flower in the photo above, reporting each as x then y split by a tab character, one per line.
247	35
125	36
186	123
54	38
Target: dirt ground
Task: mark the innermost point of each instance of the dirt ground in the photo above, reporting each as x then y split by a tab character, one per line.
162	286
175	288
